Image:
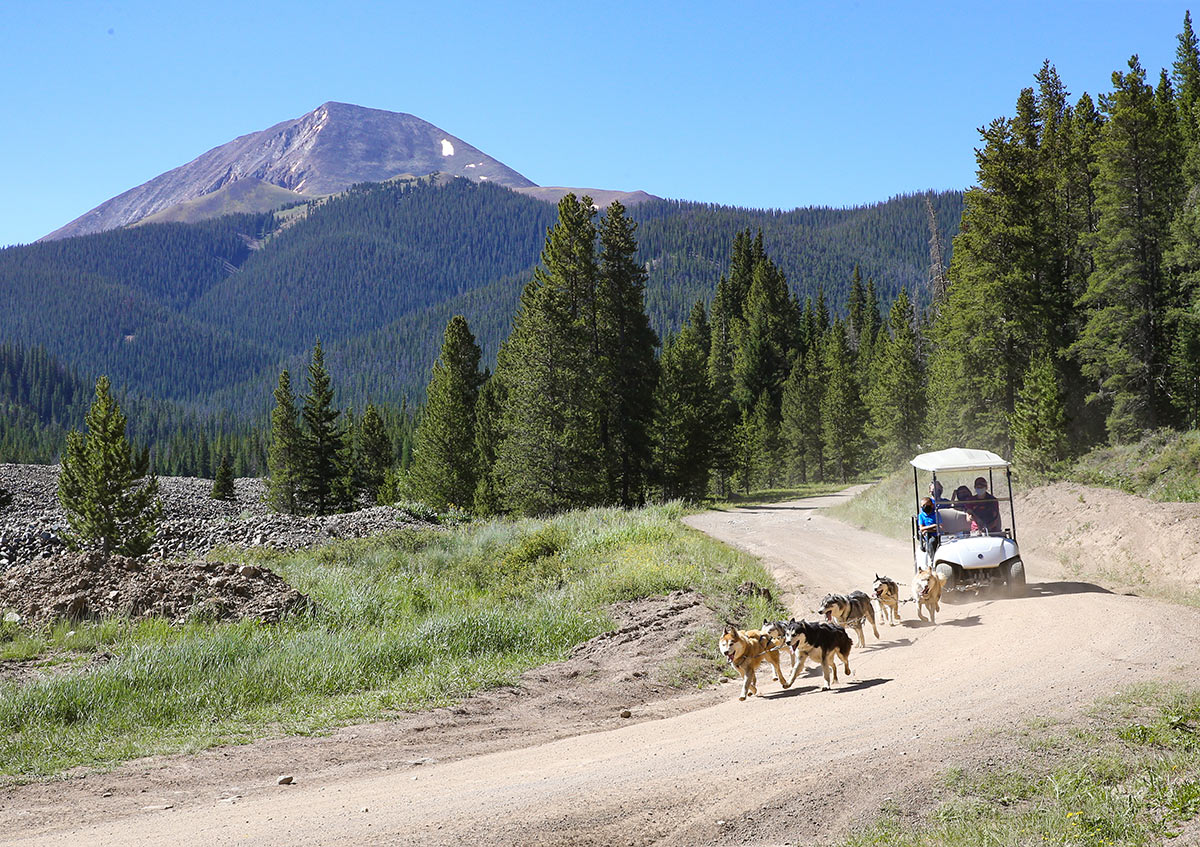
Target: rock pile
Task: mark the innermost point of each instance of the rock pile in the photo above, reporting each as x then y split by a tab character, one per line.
88	585
193	523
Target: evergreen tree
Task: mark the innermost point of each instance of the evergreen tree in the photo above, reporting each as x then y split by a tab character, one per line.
222	487
1121	348
897	394
489	415
683	416
856	305
445	468
800	416
628	369
322	472
375	453
285	455
1040	420
552	455
760	361
109	502
843	418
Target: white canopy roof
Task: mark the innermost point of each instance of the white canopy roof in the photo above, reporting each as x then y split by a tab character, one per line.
958	459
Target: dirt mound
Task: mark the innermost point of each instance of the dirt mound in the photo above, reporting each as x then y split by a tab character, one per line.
89	585
1124	542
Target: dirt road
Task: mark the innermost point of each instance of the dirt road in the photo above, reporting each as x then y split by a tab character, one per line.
783	767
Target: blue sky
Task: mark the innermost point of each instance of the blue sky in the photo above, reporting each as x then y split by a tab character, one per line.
779	104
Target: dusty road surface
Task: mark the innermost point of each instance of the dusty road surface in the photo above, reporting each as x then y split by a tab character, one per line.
784	767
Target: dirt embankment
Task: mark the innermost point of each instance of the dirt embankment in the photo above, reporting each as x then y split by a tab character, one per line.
1123	542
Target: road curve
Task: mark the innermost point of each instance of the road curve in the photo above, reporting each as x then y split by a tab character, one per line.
783	766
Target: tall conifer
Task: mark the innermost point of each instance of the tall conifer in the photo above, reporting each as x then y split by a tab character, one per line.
321	482
285	454
627	366
552	455
445	467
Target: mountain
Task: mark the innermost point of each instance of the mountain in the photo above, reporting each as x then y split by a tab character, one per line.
328	150
204	315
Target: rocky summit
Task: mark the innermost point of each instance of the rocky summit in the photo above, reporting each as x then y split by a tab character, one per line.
331	148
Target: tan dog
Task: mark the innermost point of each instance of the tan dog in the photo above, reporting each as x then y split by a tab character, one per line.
746	649
927	593
887	594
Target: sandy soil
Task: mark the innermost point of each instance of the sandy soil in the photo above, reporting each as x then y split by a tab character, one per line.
785	767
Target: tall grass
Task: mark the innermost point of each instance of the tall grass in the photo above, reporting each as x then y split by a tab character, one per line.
884	508
404	621
1163	466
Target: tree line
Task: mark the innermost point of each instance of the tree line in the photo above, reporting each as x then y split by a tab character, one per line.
1072	313
757	389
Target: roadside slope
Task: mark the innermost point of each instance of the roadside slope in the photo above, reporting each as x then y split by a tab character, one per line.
781	767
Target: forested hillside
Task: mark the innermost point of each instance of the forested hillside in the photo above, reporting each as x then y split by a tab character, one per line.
203	316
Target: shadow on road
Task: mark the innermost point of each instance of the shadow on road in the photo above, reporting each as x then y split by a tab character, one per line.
1054	589
860	684
790	692
970	620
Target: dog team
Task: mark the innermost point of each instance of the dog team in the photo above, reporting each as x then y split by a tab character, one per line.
826	640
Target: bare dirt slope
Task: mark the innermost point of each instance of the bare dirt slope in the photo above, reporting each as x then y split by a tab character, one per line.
783	767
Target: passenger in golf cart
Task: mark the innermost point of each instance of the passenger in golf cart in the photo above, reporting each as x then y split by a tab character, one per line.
965	540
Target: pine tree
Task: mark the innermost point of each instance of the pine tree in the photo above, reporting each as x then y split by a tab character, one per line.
1121	348
1040	420
222	487
109	502
285	455
489	415
843	418
375	453
795	434
445	467
552	455
897	394
322	468
626	353
683	417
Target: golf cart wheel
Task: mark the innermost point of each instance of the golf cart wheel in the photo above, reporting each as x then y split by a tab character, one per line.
946	572
1016	579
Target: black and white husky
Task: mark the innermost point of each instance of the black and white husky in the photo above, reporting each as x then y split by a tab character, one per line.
820	641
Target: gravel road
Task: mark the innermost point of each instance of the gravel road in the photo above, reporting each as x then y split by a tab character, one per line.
785	767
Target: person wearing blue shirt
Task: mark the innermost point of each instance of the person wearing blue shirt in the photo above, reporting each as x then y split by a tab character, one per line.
928	527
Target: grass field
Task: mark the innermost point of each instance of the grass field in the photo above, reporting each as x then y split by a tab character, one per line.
1129	775
404	622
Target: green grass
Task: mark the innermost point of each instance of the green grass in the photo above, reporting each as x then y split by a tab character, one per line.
405	621
778	495
884	508
1163	466
1130	777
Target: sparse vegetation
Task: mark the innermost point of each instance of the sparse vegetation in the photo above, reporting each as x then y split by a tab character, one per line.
404	621
1130	776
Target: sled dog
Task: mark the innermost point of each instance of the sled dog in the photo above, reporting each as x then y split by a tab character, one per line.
887	594
850	610
822	642
746	649
927	593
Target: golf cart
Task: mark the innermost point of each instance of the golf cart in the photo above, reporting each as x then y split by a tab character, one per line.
974	548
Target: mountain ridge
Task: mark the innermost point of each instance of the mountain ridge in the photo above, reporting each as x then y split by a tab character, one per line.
322	152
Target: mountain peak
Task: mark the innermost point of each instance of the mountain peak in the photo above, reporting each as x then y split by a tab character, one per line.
327	150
